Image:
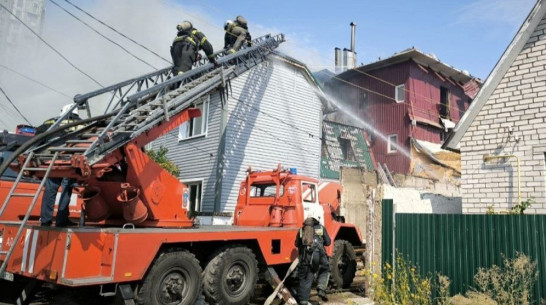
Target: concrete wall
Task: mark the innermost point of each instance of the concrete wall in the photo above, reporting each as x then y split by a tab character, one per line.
517	105
353	199
429	185
410	200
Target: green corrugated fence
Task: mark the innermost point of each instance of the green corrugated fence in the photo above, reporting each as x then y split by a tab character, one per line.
457	245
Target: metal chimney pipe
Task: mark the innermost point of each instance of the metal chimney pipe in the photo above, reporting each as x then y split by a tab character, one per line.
337	56
345	59
353	30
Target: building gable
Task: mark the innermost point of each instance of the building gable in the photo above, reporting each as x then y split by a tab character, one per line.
526	36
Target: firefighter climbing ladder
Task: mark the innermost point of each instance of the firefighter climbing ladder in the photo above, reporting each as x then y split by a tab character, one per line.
140	112
135	106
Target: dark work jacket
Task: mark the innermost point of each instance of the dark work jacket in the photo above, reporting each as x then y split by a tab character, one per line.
190	41
47	123
326	240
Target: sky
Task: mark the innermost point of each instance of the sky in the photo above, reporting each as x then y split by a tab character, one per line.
469	35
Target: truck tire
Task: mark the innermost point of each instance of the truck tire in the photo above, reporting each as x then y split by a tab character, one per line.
342	264
175	278
230	277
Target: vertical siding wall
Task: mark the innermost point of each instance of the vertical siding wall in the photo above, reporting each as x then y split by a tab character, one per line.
518	102
424	85
197	157
457	245
275	117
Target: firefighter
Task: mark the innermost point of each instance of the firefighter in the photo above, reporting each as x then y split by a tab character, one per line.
186	46
52	184
310	241
236	34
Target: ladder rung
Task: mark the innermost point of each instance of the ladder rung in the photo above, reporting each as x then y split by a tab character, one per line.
68	149
3	252
35	169
22	195
90	135
79	141
10	222
43	155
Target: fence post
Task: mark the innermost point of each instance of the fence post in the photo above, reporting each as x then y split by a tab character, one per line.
393	243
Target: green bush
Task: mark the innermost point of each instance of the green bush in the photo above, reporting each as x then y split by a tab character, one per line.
401	285
160	157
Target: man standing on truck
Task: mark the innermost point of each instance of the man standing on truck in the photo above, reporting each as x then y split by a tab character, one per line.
52	184
310	241
236	34
186	46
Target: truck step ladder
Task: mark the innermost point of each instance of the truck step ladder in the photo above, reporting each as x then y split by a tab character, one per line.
7	254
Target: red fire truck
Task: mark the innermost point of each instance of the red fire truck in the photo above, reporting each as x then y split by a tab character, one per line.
135	231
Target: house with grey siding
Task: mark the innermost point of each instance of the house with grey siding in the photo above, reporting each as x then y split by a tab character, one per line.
502	136
273	115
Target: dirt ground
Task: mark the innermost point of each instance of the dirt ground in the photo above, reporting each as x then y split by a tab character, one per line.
50	295
89	296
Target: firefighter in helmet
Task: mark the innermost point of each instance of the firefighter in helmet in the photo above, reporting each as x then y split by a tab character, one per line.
186	46
236	34
310	241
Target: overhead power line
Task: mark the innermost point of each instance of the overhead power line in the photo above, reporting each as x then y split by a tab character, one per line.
51	47
11	102
35	81
103	36
118	32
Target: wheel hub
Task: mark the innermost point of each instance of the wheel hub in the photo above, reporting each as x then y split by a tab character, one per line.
342	264
173	288
236	278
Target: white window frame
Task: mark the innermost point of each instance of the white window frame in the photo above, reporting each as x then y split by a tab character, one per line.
397	98
314	190
390	148
189	182
184	128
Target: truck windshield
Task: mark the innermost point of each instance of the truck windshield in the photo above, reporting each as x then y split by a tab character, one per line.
265	190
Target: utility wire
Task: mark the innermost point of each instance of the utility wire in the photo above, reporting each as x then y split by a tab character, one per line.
102	35
50	46
118	32
11	102
426	98
35	81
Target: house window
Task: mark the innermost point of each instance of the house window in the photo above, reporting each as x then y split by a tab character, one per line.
444	102
392	145
309	192
362	100
196	126
400	93
347	152
195	192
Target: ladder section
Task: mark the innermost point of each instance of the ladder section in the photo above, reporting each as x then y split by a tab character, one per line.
12	193
135	114
388	175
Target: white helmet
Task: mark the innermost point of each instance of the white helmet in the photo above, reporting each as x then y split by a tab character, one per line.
228	24
66	108
184	26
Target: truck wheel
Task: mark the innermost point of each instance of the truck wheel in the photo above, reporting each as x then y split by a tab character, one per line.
342	264
175	279
230	277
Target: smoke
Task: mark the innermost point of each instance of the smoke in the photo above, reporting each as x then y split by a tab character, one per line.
150	22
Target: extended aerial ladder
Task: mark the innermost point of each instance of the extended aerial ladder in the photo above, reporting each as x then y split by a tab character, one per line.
104	152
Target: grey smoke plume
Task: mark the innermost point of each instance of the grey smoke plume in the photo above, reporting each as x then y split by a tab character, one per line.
150	22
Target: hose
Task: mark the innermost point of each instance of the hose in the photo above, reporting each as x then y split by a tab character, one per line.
41	136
